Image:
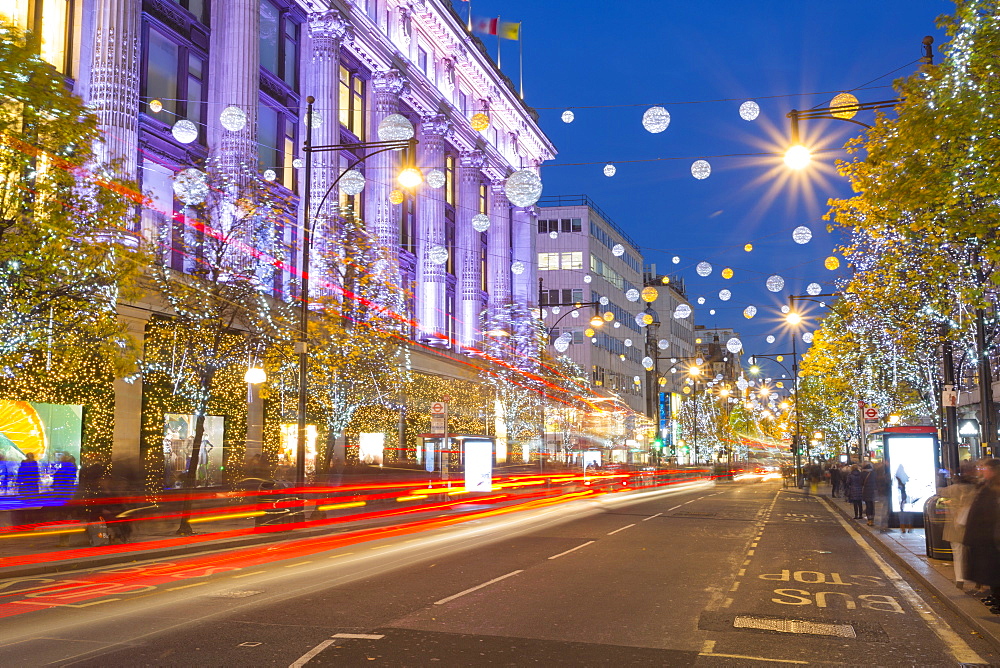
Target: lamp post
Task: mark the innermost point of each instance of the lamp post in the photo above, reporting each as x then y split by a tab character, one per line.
308	220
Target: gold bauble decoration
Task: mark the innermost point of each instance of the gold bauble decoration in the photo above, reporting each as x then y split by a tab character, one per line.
480	121
396	196
844	106
727	273
831	263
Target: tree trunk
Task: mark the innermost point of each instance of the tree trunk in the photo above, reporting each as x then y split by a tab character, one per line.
191	477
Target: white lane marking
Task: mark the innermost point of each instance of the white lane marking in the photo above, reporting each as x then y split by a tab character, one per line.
472	589
298	563
556	556
359	636
958	647
646	519
611	533
753	658
305	658
246	575
674	508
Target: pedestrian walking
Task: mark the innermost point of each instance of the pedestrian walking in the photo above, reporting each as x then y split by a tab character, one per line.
868	489
28	479
958	496
854	487
834	481
982	563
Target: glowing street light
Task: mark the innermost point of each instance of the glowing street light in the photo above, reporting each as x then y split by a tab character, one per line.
798	157
410	177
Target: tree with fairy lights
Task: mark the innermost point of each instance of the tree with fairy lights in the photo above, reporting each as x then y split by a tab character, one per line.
64	267
357	355
512	342
924	222
564	399
216	265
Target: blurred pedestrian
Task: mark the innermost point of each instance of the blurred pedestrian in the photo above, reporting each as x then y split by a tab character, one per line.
834	481
28	478
868	488
982	564
958	497
854	487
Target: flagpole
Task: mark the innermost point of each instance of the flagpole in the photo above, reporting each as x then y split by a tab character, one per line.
469	18
520	57
498	41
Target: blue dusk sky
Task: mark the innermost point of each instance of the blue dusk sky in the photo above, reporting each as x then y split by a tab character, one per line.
609	62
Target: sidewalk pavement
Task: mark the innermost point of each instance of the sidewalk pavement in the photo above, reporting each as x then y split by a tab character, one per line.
909	551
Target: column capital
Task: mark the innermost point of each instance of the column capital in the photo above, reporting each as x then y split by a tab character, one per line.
436	125
390	82
474	159
329	24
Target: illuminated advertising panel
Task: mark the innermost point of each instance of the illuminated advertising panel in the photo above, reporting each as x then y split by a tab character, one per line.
288	453
911	470
371	447
178	442
478	465
39	452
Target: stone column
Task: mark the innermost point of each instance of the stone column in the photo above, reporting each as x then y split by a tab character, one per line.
524	231
386	87
234	63
430	229
126	434
114	82
499	257
328	30
467	245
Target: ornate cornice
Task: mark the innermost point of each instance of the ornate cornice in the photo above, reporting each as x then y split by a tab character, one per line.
330	24
436	125
389	82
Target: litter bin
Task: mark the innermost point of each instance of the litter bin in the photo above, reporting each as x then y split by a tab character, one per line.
935	512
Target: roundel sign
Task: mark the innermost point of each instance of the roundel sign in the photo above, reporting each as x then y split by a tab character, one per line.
871	413
437	407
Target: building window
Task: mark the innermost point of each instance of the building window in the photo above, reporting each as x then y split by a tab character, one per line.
276	130
422	59
279	43
483	201
50	20
572	260
352	102
175	75
463	103
449	179
408	226
548	261
196	7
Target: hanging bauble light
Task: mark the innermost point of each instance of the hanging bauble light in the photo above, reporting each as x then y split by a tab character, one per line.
632	295
649	294
734	345
553	235
297	163
155	106
844	105
479	121
436	179
748	247
517	267
701	169
233	118
647	363
352	182
617	250
184	131
523	187
191	186
480	222
317	119
437	254
395	127
675	260
807	337
831	263
628	343
682	311
814	289
656	119
749	110
727	273
725	295
567	116
701	300
663	344
802	234
775	283
644	319
396	196
270	175
770	338
603	301
703	269
609	169
749	311
784	308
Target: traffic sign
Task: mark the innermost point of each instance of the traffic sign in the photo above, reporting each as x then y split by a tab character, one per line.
871	414
438	408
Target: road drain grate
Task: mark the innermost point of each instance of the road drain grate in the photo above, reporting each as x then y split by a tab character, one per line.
795	626
235	593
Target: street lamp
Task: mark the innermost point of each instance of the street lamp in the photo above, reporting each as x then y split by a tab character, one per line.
409	175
